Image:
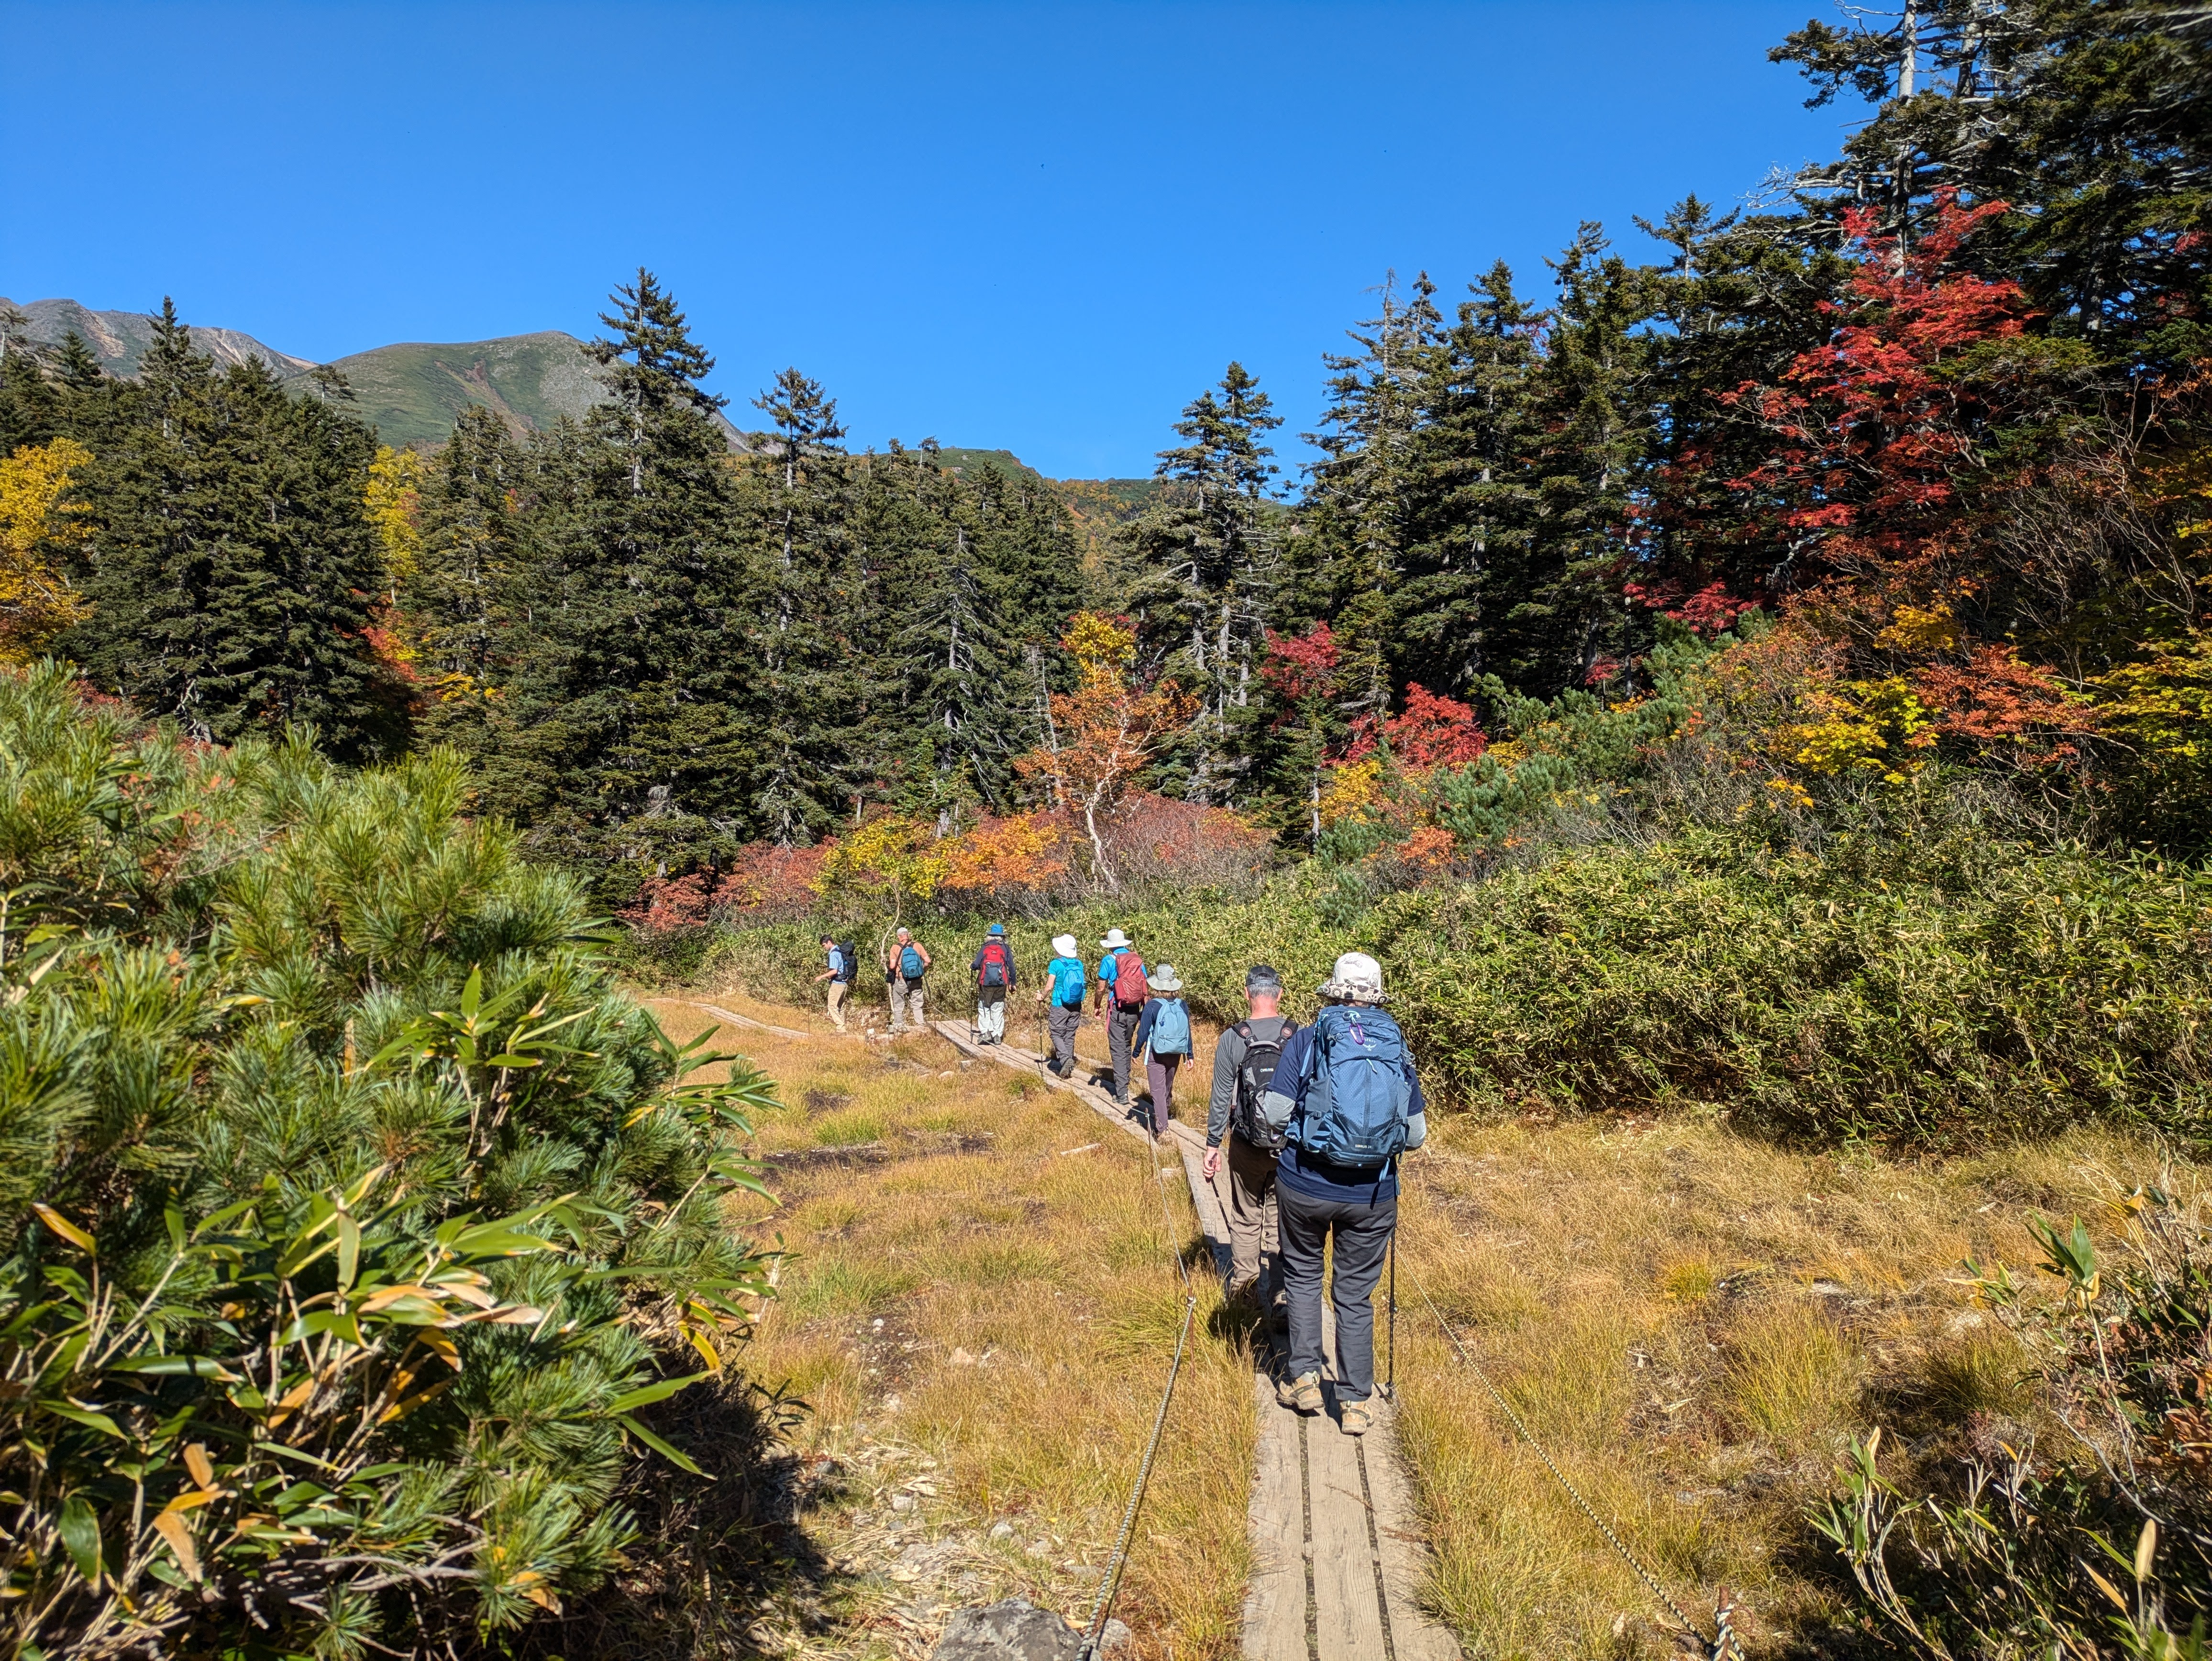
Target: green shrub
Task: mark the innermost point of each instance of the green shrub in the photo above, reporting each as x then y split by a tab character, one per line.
340	1189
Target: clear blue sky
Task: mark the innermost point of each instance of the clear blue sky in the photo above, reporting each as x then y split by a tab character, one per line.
1043	227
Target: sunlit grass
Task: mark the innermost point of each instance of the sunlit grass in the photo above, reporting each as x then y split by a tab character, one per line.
1027	1303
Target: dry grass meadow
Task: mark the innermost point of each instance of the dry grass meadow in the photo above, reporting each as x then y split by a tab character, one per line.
978	1309
1694	1324
979	1305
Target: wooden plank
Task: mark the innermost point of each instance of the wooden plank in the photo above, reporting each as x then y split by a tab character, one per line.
1413	1635
1027	1061
1348	1615
1210	1216
1275	1598
735	1020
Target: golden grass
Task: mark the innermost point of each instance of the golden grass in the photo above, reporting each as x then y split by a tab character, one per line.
980	1321
1692	1323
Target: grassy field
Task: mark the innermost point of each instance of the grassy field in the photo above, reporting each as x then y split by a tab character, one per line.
1693	1322
979	1308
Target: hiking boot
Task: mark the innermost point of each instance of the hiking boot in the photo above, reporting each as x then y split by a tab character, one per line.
1245	1292
1303	1392
1354	1417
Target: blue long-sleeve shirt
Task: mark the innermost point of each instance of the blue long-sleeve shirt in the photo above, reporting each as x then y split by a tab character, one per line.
1317	1178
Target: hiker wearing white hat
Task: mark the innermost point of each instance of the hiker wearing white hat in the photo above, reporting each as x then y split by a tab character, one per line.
1065	980
1163	1034
1122	994
1348	1103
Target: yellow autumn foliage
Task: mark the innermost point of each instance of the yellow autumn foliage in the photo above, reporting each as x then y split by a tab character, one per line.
37	524
394	493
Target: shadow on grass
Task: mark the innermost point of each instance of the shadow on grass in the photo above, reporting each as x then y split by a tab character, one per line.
711	1551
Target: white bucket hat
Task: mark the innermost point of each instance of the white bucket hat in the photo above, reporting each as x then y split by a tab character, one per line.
1357	979
1114	941
1063	945
1163	979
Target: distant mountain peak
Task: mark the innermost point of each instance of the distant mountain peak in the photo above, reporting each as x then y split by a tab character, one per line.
120	340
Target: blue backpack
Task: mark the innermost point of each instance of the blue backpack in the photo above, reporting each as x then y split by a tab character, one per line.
910	963
1069	981
1171	1034
1356	1098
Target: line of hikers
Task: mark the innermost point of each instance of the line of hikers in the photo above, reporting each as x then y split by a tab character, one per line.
1311	1121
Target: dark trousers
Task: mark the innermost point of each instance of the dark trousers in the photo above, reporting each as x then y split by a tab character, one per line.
1121	1030
1361	1234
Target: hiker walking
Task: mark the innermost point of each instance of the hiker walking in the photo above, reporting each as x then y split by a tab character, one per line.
1163	1034
904	965
995	978
1244	1064
1348	1102
1065	979
1121	998
843	961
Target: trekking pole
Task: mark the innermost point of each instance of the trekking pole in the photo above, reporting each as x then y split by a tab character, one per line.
1390	1371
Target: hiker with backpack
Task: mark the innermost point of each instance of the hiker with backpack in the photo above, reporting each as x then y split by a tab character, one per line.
1066	980
1244	1064
1348	1103
1122	992
843	961
904	965
995	978
1163	1034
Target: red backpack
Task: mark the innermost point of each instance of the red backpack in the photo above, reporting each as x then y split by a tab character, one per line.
995	963
1130	986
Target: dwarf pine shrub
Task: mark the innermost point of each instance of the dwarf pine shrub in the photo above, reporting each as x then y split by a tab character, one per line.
352	1219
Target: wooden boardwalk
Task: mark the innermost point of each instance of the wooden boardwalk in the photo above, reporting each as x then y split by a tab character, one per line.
1337	1559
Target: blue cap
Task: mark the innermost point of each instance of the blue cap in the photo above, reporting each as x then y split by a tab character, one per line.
997	928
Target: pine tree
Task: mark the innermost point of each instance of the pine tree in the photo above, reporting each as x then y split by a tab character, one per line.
232	568
623	723
1361	510
812	692
30	409
1472	509
1562	619
1209	565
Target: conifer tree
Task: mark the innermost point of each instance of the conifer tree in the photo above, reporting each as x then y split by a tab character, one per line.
1209	568
1472	510
231	566
623	726
1362	508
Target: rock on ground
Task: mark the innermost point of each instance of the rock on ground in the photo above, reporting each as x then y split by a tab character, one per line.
1014	1630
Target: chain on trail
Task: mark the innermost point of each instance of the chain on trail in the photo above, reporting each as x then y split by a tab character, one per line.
1111	1586
1724	1646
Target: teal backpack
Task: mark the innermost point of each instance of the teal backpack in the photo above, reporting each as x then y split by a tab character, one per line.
1171	1034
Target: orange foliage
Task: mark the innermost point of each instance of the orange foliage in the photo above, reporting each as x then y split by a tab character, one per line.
1020	854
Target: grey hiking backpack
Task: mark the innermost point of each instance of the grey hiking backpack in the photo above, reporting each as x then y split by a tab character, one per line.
1254	1074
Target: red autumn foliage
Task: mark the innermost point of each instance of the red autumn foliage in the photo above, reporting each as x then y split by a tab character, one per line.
1435	732
1711	611
665	905
1999	700
1870	431
1300	666
768	884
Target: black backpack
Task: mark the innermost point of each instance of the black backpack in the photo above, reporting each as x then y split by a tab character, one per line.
1254	1074
849	955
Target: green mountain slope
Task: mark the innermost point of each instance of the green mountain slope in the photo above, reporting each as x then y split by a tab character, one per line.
415	392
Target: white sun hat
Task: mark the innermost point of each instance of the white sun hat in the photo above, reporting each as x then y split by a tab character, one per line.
1114	941
1063	945
1163	979
1357	979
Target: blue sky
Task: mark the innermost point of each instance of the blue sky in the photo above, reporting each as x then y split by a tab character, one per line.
1038	226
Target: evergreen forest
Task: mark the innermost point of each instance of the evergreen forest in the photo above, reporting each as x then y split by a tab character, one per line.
1758	666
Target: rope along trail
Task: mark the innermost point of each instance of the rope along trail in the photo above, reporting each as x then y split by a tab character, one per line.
1111	1586
1723	1644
